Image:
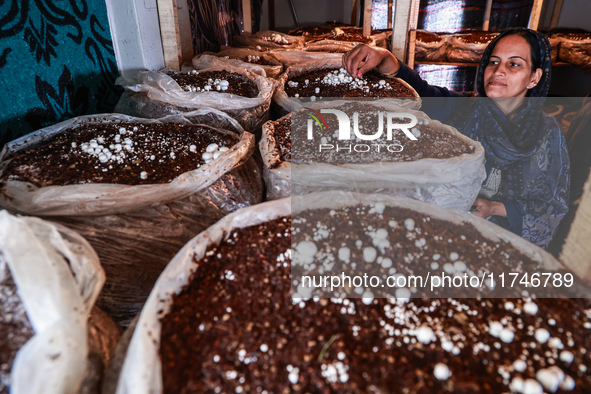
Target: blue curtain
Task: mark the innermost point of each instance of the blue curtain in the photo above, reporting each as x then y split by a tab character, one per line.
56	62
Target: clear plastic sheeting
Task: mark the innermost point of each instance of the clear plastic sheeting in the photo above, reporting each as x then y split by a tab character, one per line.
58	277
296	57
250	56
137	229
213	23
276	172
431	47
576	50
269	39
379	14
154	94
142	371
457	78
451	15
205	62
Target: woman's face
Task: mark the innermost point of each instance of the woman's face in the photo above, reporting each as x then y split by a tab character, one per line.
508	73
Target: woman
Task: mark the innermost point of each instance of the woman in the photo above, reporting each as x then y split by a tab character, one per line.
527	166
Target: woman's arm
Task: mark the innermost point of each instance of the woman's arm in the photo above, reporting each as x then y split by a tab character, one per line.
364	58
423	88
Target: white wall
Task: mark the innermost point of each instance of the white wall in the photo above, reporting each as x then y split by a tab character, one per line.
574	14
136	35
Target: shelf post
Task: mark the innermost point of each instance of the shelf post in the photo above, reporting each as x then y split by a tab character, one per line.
247	16
368	5
185	34
556	13
170	33
390	14
536	11
487	11
400	28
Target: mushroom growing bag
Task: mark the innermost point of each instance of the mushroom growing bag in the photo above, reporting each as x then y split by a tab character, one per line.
269	39
136	229
288	104
294	57
451	182
141	372
154	94
252	57
58	278
142	369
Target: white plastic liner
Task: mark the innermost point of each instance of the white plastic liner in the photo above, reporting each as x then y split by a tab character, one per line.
276	172
452	183
142	372
97	199
136	229
460	51
290	104
154	94
295	57
271	71
269	39
58	277
576	52
431	51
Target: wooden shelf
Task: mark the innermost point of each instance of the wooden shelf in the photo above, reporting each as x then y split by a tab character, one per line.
556	64
447	63
410	8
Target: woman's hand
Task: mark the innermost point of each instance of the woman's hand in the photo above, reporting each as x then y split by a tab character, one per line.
363	58
485	208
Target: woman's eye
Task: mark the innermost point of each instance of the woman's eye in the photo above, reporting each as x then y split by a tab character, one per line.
493	62
514	64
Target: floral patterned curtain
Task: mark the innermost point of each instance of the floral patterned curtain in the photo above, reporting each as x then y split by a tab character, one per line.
56	62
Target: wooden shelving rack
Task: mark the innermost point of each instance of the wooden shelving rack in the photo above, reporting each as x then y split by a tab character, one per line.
405	49
176	30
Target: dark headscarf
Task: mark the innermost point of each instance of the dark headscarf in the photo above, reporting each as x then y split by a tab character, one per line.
507	141
541	45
